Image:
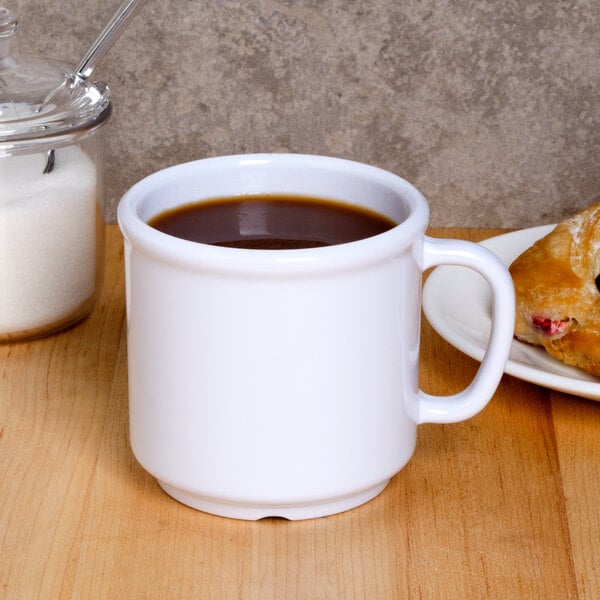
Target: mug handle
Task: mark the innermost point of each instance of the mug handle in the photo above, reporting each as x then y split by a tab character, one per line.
465	404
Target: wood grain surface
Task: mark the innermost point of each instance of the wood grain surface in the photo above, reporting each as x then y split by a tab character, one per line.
505	505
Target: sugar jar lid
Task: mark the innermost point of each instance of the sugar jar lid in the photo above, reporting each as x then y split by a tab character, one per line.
40	97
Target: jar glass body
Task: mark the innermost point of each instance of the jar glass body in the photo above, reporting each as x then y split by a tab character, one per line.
51	232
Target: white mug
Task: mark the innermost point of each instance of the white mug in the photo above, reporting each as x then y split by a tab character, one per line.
285	382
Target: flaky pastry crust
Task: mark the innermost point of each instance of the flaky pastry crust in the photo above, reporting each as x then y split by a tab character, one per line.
557	298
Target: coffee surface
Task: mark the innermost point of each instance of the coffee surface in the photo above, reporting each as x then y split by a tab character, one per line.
271	222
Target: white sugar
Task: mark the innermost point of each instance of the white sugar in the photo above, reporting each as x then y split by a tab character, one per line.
48	229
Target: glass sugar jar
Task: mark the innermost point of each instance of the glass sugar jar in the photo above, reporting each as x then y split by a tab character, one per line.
51	192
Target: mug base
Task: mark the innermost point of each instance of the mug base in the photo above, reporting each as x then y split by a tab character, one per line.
254	512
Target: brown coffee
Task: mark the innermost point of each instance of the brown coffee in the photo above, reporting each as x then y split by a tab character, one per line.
271	222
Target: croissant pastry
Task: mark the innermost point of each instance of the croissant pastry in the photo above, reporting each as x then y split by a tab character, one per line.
557	284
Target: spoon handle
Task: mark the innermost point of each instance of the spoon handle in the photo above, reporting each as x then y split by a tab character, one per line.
108	37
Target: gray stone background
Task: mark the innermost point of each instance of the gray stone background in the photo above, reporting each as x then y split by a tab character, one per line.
490	107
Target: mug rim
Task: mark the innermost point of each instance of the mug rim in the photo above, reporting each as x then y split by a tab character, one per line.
200	255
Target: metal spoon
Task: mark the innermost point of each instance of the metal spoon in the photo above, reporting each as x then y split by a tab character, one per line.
109	35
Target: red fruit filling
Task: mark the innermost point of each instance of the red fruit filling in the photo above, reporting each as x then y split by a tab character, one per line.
549	326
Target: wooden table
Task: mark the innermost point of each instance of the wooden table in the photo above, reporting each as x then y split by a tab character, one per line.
505	505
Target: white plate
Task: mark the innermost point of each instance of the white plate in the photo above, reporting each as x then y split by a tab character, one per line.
456	301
